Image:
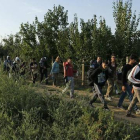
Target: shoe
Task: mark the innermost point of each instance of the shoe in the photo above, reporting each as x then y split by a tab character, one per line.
130	115
106	108
121	107
108	98
137	112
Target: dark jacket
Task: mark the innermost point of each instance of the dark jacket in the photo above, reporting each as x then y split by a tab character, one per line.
113	70
125	70
98	76
43	66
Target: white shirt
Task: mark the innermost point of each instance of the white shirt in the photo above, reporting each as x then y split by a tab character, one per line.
131	76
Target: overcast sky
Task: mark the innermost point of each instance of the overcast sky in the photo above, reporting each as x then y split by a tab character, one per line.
15	12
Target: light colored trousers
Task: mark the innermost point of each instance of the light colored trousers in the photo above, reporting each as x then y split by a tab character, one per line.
110	83
136	98
70	84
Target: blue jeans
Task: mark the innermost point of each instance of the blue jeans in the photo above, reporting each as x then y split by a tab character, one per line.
129	94
42	75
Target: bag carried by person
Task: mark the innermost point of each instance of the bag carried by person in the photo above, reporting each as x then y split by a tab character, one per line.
91	70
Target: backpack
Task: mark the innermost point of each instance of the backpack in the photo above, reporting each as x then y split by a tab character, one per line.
89	73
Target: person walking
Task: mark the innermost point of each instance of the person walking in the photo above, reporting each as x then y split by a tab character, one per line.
34	71
134	77
23	68
69	76
55	71
16	66
112	66
99	77
126	87
43	70
8	64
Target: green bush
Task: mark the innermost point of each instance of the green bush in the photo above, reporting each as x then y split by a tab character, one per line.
25	114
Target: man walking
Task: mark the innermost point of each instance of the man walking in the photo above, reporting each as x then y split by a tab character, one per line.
55	71
69	77
33	67
8	64
127	88
43	70
112	76
99	77
134	77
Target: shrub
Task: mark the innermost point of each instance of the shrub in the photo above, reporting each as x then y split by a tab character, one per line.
25	114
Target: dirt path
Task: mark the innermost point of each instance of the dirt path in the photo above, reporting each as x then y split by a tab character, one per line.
118	114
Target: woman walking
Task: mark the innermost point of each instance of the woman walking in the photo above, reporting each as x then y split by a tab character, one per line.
55	71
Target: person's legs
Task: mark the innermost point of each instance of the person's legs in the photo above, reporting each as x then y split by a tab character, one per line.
130	95
67	85
109	92
72	86
138	94
133	103
100	95
95	96
110	83
123	95
41	76
46	76
34	78
55	76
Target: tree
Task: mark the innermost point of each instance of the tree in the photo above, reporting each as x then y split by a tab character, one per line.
126	28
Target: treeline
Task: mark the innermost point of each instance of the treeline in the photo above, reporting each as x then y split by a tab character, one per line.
55	36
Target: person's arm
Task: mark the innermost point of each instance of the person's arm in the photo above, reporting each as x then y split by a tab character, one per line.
124	76
65	70
131	76
95	73
107	74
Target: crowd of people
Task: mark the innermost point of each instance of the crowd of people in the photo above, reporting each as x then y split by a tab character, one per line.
17	67
100	73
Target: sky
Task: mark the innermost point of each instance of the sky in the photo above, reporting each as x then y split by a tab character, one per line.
15	12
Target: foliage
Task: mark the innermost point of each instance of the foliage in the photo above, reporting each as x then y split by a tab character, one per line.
25	114
126	34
